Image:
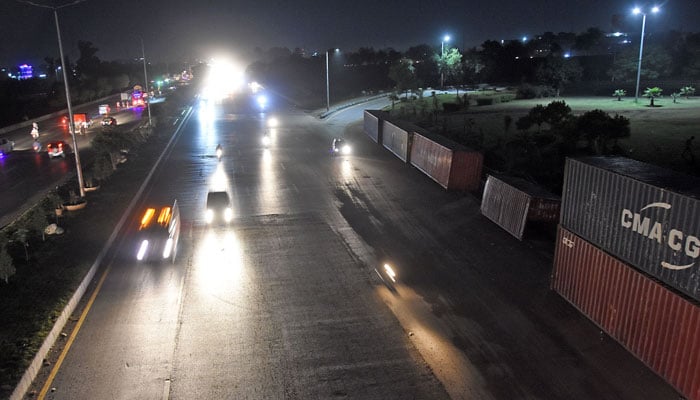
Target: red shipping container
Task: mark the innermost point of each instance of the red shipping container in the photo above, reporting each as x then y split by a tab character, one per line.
657	325
450	164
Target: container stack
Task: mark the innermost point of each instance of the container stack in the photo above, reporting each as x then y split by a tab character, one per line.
628	257
449	164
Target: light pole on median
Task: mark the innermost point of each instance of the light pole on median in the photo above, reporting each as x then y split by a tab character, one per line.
446	38
328	88
145	76
636	11
71	124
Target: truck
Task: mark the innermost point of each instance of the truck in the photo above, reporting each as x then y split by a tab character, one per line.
80	120
157	233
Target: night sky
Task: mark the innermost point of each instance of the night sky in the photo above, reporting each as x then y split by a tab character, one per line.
178	30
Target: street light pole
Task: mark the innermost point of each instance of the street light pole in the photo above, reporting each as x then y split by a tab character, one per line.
639	64
71	124
328	88
637	10
145	77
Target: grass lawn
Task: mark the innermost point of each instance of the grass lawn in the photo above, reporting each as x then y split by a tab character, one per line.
658	134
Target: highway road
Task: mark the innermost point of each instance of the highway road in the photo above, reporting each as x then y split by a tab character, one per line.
24	173
284	303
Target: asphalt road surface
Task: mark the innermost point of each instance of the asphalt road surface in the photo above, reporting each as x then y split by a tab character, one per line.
284	302
24	173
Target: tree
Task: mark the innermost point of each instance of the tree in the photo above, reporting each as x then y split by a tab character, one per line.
557	72
652	93
7	267
36	222
450	64
687	91
619	93
88	64
655	64
600	129
403	74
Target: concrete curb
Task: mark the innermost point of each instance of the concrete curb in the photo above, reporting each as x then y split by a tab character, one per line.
343	106
36	364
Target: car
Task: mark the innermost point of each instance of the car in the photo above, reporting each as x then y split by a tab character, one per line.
218	208
6	146
109	121
340	147
158	233
58	148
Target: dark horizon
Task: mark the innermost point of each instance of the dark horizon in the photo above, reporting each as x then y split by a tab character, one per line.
175	31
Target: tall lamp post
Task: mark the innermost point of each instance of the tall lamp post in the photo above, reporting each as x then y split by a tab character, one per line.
637	11
145	77
445	38
328	87
71	125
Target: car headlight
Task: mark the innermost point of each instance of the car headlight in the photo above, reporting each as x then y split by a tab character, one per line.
228	214
209	216
142	250
346	149
168	248
266	140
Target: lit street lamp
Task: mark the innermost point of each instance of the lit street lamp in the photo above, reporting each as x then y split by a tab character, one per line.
636	11
71	124
328	89
446	38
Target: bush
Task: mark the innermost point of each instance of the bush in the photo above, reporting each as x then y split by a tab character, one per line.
505	98
526	91
484	101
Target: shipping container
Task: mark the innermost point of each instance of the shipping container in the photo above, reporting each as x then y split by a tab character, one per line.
655	324
396	137
451	165
373	124
645	215
510	202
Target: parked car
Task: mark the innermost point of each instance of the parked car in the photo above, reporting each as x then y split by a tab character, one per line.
6	146
58	148
109	121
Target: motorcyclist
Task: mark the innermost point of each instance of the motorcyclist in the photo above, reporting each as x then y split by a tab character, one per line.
35	131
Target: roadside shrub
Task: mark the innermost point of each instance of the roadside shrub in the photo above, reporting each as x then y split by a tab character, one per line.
505	98
484	101
526	91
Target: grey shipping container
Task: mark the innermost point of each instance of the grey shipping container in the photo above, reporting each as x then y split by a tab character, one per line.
645	215
396	137
655	324
511	202
373	124
451	165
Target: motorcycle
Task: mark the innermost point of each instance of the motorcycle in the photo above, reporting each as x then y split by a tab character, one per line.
219	152
36	146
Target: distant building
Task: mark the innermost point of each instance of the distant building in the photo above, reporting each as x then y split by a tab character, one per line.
25	72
